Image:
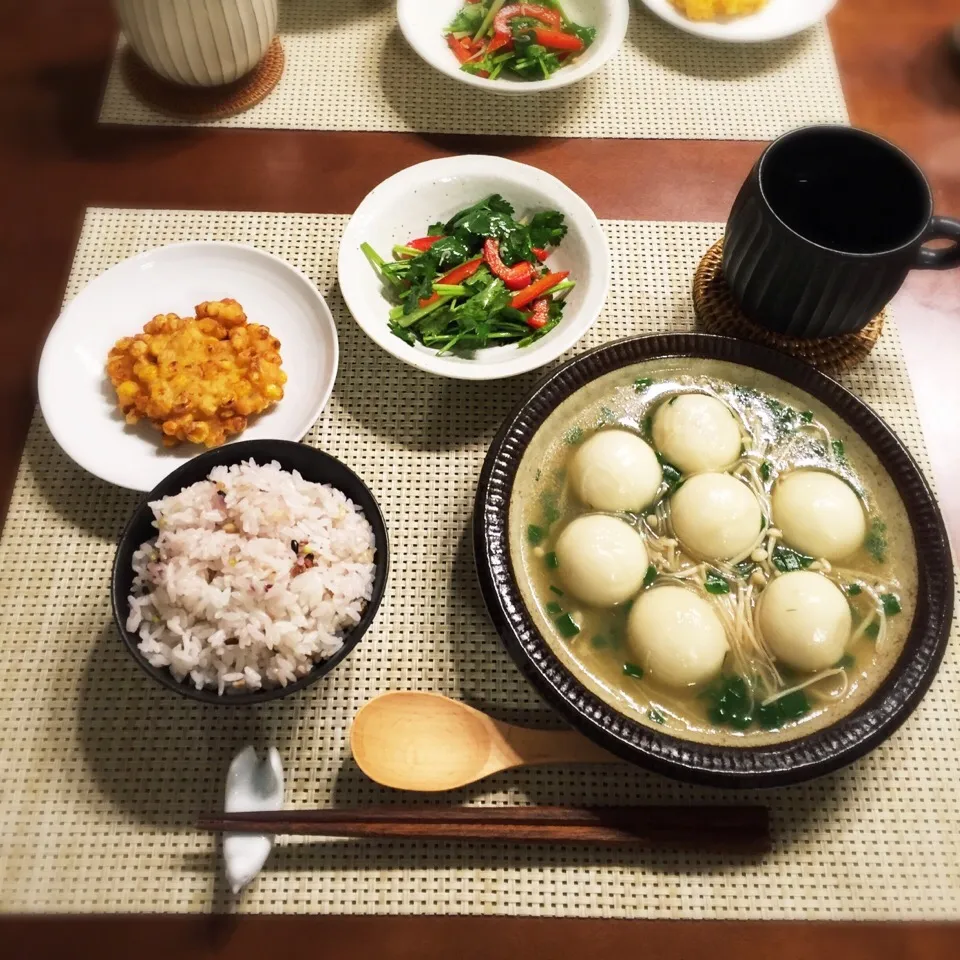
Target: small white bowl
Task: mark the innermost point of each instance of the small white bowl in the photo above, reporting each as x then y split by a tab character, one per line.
78	401
777	20
404	205
424	23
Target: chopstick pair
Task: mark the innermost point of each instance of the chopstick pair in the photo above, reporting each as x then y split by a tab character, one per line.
728	829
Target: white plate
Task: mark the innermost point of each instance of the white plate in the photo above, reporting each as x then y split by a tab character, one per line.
424	23
78	400
407	203
778	19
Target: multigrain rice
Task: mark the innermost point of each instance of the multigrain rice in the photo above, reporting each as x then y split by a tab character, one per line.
256	575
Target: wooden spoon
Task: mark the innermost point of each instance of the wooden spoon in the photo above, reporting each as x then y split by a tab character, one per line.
428	742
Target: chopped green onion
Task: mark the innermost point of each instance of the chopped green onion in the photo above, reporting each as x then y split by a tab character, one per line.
552	561
650	575
656	716
556	590
567	626
715	584
554	608
536	535
891	604
632	670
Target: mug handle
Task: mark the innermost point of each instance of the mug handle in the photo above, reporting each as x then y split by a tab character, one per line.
941	228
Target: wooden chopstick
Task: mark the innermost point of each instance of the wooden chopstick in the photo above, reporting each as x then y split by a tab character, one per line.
735	829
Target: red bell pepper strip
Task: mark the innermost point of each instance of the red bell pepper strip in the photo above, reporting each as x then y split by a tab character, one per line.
539	315
558	40
502	35
465	50
423	243
540	253
536	289
459	51
516	277
457	275
501	22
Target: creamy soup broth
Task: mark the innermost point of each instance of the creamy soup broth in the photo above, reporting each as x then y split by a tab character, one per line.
757	665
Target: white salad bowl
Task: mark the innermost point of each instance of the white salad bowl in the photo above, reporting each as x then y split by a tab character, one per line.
777	20
78	401
403	207
424	24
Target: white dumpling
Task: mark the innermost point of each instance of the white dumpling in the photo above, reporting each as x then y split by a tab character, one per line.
819	514
715	516
805	620
696	433
615	470
676	637
601	560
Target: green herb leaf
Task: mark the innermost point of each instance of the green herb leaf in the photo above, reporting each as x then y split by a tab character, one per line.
550	505
838	451
641	384
547	228
567	626
650	575
607	416
766	471
876	541
586	34
787	560
873	631
554	608
891	604
672	477
632	670
729	703
854	589
552	561
715	584
536	535
806	416
791	707
656	716
744	568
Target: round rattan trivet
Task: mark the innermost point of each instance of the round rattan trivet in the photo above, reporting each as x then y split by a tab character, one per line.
717	312
204	103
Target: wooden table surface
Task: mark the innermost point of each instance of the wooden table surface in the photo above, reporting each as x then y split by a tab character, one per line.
900	81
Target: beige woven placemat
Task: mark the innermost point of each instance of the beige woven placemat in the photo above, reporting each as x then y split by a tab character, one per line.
349	68
102	771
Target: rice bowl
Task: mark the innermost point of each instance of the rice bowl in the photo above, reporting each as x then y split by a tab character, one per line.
255	576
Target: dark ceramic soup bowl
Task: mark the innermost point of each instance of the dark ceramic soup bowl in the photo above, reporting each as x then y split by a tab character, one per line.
808	755
313	465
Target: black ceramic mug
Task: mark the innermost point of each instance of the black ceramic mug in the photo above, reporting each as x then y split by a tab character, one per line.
825	230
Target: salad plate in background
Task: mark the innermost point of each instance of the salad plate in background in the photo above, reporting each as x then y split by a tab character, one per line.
465	198
776	20
598	26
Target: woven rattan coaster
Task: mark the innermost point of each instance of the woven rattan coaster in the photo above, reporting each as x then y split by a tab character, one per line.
204	103
717	312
